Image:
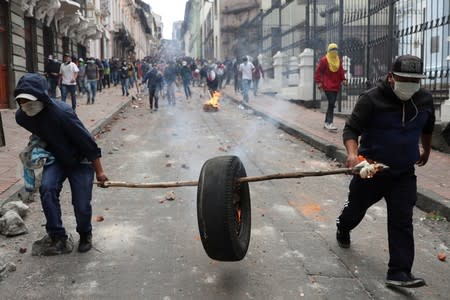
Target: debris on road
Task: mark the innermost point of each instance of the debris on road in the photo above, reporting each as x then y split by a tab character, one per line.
170	196
99	218
442	256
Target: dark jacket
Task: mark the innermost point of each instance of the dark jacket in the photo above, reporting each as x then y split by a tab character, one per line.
390	129
57	125
154	79
52	67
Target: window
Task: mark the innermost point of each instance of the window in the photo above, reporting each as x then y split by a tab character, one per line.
435	44
30	45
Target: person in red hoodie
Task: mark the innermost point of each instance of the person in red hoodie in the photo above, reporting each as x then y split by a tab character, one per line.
329	75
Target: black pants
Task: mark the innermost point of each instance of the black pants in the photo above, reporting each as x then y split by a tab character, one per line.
400	193
153	97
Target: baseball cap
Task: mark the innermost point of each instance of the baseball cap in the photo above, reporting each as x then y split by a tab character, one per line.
409	66
26	96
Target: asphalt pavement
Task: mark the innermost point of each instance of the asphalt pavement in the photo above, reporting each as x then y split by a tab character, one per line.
305	123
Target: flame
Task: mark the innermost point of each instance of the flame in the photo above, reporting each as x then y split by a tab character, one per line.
214	101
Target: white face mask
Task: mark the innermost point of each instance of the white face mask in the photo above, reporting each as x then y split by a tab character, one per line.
405	90
32	108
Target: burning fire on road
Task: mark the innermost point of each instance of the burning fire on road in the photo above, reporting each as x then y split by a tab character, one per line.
213	104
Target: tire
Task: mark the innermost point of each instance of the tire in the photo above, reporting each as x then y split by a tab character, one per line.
224	226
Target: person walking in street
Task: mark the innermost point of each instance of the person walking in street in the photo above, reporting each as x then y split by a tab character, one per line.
52	74
237	76
99	64
69	73
76	158
170	75
154	79
81	83
124	78
246	69
212	81
328	76
91	73
115	71
106	73
257	73
388	121
186	77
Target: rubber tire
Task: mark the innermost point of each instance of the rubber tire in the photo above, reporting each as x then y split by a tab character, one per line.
222	237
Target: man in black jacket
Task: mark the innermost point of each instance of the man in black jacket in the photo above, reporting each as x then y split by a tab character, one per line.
390	119
77	157
52	74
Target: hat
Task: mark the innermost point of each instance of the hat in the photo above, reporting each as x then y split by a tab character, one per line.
332	46
408	66
66	54
26	96
80	59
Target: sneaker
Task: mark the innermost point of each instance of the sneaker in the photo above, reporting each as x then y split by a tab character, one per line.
325	126
403	279
48	246
331	127
343	238
85	242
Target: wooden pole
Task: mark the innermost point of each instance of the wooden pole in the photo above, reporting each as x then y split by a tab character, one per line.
172	184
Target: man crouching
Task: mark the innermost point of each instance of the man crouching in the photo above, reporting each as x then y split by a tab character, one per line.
76	157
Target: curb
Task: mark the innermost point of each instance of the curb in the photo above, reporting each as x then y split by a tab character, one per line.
18	192
427	200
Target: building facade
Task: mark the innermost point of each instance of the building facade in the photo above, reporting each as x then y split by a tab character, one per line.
31	30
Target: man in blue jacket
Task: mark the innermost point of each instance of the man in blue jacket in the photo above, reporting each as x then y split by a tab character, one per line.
77	157
390	119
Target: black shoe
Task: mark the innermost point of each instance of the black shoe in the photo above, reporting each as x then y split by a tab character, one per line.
343	238
403	279
48	246
85	242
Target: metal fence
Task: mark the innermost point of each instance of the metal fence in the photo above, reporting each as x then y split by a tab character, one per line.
370	34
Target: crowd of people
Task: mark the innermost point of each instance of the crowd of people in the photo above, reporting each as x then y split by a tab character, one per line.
88	76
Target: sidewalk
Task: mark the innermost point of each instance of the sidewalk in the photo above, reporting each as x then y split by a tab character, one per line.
307	124
109	102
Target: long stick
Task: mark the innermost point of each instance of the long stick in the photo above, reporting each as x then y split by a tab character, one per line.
239	180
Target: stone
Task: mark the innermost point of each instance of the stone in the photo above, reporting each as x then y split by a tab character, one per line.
18	206
11	224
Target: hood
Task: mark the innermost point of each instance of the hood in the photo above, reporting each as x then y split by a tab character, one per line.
34	84
386	88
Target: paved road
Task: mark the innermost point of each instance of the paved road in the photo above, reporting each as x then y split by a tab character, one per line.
149	248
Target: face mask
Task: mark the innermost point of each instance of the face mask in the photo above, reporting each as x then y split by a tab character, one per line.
32	108
405	90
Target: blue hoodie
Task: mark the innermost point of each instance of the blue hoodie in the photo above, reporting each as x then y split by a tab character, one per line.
57	125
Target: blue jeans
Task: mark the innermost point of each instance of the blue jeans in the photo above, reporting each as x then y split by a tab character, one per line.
245	88
80	178
331	96
52	84
187	89
255	86
69	88
124	82
92	90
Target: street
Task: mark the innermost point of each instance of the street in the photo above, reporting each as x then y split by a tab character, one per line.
147	247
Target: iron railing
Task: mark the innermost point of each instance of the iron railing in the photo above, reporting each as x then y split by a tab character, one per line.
371	33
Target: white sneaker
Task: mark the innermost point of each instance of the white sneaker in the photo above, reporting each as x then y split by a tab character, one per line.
326	125
331	127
